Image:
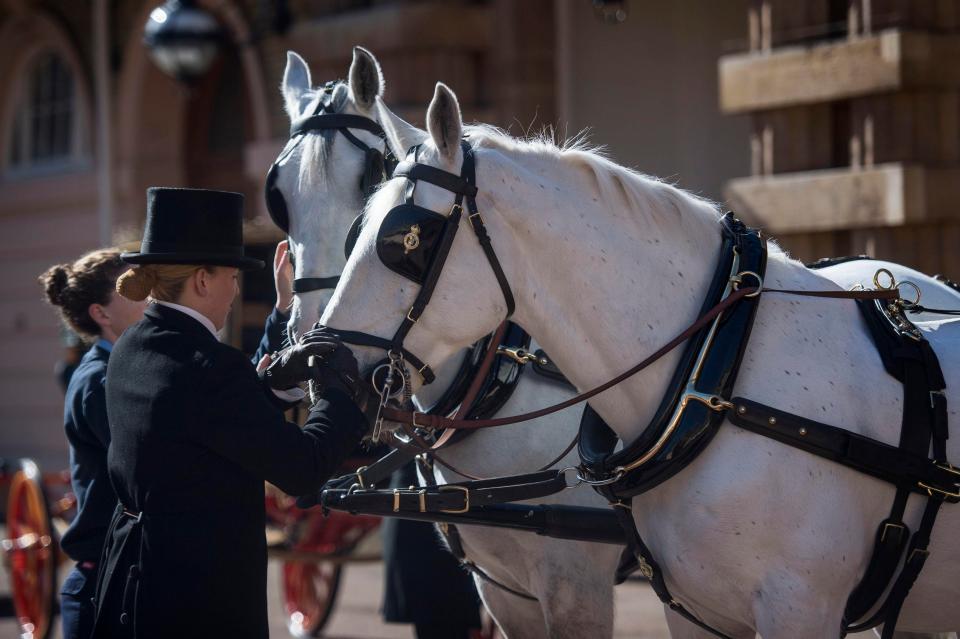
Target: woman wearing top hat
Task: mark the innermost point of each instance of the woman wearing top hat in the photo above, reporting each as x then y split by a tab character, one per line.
195	432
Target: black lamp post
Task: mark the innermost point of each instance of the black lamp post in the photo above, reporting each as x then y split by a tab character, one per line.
183	39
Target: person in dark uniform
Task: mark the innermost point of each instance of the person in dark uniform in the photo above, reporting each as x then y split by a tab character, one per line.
195	432
424	584
84	293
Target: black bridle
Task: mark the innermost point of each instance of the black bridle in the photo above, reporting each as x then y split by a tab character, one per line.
377	168
435	253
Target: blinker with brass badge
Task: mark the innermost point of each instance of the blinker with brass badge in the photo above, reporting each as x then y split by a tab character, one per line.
411	240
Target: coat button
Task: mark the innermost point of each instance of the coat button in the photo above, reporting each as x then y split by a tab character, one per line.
124	618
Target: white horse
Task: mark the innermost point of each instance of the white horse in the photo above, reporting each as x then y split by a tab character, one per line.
606	266
572	581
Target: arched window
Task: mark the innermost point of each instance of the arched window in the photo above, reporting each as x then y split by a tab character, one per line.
45	122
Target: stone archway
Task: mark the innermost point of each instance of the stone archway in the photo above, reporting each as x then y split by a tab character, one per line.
152	113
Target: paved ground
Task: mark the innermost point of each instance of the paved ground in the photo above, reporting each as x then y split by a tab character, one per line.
356	616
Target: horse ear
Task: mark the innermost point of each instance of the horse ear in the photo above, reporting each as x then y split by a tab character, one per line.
296	83
444	121
366	78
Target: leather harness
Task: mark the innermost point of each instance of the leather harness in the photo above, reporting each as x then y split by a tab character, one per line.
689	415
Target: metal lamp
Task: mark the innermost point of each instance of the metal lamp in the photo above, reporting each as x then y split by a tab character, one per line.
182	39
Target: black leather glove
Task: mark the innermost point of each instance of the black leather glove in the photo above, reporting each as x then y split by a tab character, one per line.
337	367
292	365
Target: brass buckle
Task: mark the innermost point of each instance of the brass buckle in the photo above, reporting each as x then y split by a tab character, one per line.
466	499
946	494
520	355
359	474
422	495
412	319
885	526
947	466
396	500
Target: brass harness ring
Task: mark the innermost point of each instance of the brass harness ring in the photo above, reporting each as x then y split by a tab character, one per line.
737	281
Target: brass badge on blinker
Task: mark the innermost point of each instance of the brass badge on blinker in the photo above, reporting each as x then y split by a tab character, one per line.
412	239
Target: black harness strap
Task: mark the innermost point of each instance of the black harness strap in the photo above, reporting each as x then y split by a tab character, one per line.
910	359
322	120
462	185
363	339
650	569
460	497
308	284
912	471
451	534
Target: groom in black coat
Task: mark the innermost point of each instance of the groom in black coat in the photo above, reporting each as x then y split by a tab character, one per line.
195	432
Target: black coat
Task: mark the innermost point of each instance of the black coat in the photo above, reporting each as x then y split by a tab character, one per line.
424	583
194	435
85	423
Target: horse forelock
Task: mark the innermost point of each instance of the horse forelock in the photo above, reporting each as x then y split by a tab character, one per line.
315	148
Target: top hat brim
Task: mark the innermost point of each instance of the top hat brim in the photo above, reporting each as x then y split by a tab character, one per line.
200	259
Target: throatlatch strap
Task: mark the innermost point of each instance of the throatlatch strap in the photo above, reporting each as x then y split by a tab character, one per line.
469	173
308	284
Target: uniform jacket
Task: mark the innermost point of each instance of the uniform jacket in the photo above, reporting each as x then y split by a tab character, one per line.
85	423
194	435
274	334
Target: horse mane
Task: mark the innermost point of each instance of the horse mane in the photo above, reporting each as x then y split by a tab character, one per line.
617	185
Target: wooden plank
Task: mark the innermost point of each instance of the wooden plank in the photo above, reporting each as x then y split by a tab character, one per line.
939	15
886	195
909	126
797	139
889	61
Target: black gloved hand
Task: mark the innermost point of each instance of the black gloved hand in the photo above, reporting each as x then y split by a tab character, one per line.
337	367
292	365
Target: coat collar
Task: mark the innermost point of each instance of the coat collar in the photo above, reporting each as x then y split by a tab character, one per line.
179	321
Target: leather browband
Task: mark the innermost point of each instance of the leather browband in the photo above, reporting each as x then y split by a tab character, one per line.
324	121
460	185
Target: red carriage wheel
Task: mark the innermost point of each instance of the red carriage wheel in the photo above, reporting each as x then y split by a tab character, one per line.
309	593
32	553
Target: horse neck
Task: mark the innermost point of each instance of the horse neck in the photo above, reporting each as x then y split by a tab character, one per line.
606	280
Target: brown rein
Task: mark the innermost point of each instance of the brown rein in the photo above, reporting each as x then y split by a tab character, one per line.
417	419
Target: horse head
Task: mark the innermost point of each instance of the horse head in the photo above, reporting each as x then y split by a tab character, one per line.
418	239
338	153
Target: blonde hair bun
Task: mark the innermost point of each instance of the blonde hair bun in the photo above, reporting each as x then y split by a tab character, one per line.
137	282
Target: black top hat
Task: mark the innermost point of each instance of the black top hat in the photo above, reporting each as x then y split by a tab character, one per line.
193	226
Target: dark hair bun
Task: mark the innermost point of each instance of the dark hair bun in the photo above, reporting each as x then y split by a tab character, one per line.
55	281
